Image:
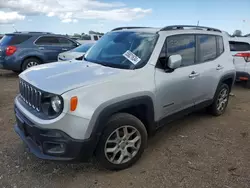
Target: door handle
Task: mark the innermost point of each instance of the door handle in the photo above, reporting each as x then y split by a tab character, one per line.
219	67
41	48
194	74
64	49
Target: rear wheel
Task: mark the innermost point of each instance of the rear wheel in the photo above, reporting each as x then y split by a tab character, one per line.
30	62
220	102
122	143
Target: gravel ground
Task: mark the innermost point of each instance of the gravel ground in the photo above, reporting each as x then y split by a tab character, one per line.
196	151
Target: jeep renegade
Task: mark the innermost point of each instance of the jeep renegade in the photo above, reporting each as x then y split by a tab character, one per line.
131	82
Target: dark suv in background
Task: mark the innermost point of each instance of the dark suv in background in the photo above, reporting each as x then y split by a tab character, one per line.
21	50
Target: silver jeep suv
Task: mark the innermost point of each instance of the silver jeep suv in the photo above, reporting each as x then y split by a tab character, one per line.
131	82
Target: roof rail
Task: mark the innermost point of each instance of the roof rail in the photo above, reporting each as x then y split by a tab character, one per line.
176	27
34	32
121	28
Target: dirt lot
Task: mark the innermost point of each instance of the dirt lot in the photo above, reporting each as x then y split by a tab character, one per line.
197	151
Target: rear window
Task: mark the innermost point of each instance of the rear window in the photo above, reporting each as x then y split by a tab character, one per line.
239	46
14	39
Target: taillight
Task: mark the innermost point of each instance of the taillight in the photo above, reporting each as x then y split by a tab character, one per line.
245	55
10	50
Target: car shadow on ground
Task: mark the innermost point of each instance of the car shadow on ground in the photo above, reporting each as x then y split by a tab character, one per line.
8	74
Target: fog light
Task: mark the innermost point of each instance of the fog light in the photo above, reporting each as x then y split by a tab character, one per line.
54	148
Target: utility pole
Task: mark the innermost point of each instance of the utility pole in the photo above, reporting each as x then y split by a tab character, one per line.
198	23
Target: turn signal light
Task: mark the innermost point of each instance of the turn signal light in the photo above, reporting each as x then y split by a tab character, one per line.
73	103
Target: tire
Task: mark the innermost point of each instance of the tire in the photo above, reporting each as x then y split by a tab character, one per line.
217	109
118	123
247	84
30	62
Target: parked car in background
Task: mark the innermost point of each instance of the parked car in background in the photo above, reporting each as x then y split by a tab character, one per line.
240	49
76	53
131	82
21	50
89	39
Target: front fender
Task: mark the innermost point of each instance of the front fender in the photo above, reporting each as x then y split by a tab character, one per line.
97	124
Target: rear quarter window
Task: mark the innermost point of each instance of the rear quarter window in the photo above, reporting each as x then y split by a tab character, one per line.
14	39
239	46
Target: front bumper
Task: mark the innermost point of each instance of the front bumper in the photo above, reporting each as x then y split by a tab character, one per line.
52	144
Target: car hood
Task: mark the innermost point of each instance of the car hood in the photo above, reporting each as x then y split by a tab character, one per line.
69	55
61	77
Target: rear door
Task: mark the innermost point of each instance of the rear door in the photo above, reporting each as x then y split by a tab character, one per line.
52	46
209	65
49	46
240	51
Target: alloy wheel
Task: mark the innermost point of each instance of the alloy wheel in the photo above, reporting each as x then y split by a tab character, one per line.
122	145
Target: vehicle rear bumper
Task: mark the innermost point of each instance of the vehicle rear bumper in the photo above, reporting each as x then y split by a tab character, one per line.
51	144
242	76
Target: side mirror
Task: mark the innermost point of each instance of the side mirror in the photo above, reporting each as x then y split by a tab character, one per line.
80	58
174	61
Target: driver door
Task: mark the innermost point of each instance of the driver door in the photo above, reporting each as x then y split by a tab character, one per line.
175	89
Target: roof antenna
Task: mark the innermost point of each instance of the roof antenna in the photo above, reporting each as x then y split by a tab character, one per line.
198	23
13	26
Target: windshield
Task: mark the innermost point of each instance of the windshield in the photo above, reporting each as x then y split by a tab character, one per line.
125	50
5	40
83	48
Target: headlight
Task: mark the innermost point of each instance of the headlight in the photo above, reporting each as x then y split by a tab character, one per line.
52	105
56	104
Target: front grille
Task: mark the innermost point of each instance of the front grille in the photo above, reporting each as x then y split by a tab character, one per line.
30	95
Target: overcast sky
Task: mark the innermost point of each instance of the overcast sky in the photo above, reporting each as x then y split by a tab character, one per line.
77	16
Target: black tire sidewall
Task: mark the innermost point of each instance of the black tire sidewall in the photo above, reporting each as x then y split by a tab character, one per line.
26	62
116	121
214	109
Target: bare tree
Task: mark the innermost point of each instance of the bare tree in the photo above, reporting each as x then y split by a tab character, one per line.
237	33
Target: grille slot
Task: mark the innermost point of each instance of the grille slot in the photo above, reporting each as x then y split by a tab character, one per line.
30	95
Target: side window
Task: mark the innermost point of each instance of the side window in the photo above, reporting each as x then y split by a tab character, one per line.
183	45
66	42
47	41
207	47
239	46
18	39
220	45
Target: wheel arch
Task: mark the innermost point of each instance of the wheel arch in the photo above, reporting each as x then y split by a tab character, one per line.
32	56
228	79
141	107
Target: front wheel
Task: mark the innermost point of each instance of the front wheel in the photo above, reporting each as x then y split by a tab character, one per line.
220	102
122	143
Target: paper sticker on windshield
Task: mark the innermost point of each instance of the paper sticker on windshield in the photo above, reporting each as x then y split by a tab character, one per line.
131	57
